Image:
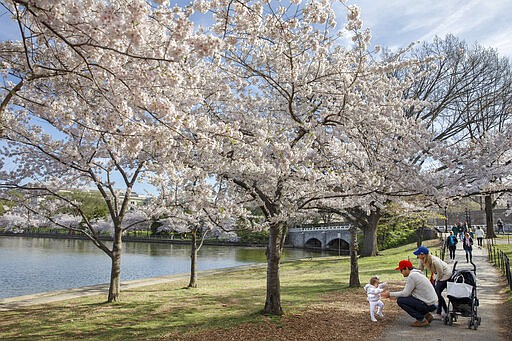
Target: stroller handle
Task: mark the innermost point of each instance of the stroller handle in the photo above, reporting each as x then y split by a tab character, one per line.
455	265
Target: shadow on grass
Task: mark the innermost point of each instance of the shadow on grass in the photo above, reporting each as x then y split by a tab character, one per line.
153	317
220	301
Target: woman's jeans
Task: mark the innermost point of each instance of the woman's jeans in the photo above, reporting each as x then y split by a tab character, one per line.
469	255
439	287
452	251
415	307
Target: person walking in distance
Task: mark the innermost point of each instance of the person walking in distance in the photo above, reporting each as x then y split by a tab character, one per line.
464	229
452	244
467	244
455	230
499	224
461	230
479	236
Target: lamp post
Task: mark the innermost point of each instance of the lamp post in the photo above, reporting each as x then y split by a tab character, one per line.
339	244
468	218
445	220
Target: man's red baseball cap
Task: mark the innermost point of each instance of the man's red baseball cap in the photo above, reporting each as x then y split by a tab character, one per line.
404	264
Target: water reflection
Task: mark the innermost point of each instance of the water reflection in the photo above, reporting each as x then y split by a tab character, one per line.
32	265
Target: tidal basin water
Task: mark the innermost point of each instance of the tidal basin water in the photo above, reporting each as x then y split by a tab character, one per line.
34	265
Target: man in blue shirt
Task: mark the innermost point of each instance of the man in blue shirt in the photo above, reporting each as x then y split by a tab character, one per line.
452	245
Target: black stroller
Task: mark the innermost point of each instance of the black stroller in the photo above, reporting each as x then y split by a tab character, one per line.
463	301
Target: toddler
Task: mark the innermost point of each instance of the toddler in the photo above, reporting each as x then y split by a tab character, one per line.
373	290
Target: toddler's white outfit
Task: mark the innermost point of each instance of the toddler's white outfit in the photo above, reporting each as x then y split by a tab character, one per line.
373	294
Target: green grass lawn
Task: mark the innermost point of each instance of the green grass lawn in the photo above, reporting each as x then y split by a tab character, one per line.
507	249
221	300
505	244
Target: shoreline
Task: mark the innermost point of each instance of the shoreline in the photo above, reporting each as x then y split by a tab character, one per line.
129	239
10	303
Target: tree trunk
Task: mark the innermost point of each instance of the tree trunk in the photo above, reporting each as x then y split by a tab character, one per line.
370	234
490	233
273	300
419	235
354	267
115	272
193	261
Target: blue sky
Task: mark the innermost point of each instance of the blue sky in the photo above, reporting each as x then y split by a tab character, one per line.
396	23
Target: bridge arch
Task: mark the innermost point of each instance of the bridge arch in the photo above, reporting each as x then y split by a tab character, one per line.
339	245
313	243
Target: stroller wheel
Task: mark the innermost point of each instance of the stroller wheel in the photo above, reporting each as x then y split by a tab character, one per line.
446	319
450	321
479	320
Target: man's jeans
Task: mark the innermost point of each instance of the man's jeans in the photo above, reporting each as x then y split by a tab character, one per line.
415	307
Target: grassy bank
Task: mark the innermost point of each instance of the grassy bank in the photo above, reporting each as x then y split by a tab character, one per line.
507	249
221	301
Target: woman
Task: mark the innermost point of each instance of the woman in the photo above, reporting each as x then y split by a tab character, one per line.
452	245
467	244
441	273
479	236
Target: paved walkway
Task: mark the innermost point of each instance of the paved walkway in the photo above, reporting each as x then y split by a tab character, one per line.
490	289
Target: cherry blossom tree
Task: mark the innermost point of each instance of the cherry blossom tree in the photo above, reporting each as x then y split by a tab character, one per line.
304	108
16	221
197	205
94	92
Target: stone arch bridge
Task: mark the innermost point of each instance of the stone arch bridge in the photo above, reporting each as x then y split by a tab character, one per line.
332	237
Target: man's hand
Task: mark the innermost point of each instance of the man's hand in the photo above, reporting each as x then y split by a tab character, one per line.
385	294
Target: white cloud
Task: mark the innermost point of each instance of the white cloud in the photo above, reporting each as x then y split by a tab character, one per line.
397	23
501	41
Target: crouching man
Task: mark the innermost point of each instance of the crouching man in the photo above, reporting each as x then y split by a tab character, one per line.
418	298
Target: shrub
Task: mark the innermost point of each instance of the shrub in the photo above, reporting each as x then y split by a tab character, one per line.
393	233
252	237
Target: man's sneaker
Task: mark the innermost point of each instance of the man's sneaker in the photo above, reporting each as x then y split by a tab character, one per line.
374	320
423	323
380	314
429	317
